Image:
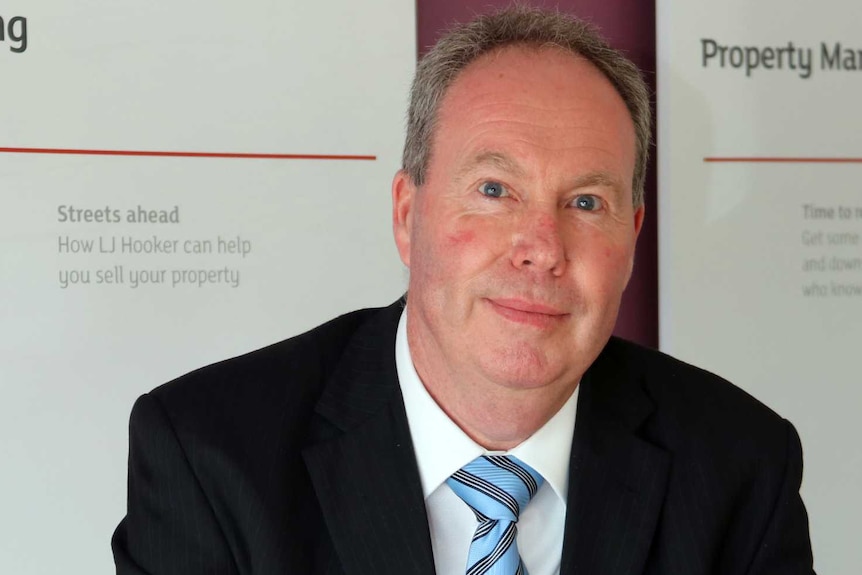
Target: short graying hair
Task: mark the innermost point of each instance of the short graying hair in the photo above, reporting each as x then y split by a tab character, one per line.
519	25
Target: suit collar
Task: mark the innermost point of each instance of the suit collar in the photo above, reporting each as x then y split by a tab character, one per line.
361	460
617	480
364	381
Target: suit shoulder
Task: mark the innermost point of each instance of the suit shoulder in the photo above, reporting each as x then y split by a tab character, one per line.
287	375
701	405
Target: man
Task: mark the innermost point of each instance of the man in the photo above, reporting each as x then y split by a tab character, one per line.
383	441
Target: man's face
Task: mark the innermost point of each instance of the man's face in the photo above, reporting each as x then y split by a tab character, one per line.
522	238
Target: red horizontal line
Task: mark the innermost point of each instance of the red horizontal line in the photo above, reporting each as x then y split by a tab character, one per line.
163	154
767	160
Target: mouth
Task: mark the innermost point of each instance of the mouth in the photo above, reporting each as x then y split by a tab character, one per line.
528	313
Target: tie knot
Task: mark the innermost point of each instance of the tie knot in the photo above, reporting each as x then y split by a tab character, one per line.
496	486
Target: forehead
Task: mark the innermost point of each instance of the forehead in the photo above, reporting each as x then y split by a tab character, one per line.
539	96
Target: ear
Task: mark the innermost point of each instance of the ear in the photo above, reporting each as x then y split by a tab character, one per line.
639	220
403	195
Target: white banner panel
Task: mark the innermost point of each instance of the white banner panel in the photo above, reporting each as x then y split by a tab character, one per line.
760	163
180	182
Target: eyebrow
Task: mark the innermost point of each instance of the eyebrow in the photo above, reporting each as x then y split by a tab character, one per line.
497	160
602	179
508	164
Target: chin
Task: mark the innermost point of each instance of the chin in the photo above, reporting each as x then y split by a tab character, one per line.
522	367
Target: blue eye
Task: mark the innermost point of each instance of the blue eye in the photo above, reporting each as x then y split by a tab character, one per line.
493	190
588	203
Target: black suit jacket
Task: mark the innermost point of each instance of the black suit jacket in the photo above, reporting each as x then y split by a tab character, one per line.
297	459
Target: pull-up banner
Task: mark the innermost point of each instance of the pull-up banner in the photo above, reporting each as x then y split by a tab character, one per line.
180	182
760	164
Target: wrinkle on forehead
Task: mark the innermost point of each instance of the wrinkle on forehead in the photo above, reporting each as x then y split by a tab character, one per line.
493	84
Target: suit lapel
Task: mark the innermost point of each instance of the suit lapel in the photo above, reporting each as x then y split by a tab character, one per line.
362	464
617	481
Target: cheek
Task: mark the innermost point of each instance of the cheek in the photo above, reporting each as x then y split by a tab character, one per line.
617	268
607	259
612	255
479	233
460	238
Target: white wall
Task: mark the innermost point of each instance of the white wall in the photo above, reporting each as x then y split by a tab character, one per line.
738	252
258	77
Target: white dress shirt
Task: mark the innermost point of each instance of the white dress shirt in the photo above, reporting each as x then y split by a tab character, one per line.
442	448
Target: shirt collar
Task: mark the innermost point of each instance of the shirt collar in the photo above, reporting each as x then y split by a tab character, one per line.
442	447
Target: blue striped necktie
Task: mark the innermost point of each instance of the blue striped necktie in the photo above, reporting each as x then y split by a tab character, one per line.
497	488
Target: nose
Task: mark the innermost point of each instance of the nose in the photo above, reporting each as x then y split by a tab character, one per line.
538	244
